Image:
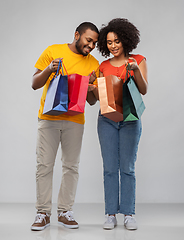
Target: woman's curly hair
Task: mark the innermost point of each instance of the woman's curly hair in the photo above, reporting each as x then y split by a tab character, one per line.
126	32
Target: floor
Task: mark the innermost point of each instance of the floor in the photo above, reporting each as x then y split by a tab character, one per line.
155	222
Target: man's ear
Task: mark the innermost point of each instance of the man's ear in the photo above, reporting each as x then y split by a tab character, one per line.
77	35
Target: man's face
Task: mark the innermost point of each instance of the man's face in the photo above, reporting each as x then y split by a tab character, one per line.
86	42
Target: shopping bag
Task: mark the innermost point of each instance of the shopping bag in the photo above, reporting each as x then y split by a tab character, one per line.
77	93
110	96
56	101
133	105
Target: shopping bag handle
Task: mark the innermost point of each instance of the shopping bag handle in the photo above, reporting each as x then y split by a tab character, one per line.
58	69
123	70
128	71
62	64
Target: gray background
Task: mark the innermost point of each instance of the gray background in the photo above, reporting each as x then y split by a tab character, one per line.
27	28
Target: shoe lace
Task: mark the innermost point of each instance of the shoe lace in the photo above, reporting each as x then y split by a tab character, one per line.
40	217
68	215
109	219
129	219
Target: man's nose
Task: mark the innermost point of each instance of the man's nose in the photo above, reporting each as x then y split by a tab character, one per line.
91	45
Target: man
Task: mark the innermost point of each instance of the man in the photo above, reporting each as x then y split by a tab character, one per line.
64	129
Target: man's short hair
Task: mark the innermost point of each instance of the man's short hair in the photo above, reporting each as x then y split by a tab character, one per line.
86	25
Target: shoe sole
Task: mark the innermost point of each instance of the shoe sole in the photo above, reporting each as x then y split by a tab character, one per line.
129	228
39	228
109	228
69	226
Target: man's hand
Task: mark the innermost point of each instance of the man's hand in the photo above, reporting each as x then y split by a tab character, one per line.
91	87
92	77
54	64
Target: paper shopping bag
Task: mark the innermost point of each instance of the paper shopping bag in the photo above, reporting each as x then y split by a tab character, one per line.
110	96
77	93
133	105
56	101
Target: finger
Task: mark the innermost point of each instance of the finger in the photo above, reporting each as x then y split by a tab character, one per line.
91	73
133	59
58	59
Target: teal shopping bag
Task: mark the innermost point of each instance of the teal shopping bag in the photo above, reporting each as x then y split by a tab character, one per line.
56	101
133	105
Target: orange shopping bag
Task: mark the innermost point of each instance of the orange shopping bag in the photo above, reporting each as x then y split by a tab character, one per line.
110	90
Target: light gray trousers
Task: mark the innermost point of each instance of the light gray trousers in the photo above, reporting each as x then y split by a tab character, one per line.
50	135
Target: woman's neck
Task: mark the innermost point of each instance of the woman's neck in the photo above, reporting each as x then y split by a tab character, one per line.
119	60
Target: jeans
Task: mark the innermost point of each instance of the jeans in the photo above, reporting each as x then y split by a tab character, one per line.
119	144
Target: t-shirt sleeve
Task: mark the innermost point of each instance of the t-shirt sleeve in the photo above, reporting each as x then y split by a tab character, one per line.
139	58
44	60
97	74
101	67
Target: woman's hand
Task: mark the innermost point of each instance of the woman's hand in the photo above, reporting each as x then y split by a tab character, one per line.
133	65
140	73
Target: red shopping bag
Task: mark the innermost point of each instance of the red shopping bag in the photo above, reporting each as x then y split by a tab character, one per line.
77	93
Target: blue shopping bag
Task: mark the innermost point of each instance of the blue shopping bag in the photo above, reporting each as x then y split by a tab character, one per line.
56	101
133	105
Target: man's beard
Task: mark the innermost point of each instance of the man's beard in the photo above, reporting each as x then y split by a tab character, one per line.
79	48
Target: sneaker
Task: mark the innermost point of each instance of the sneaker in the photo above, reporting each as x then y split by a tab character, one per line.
42	221
67	220
110	222
130	223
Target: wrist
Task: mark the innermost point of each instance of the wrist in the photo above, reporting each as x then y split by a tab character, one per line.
136	69
49	69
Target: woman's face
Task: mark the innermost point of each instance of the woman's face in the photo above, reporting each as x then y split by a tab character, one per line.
114	45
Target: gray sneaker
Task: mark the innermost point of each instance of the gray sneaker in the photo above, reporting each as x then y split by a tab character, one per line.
110	222
130	223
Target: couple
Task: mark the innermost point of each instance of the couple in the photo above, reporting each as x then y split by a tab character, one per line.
118	141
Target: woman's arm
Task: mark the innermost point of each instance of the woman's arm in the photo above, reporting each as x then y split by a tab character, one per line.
140	73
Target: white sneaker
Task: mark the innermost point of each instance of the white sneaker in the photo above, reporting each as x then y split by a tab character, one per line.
110	222
130	223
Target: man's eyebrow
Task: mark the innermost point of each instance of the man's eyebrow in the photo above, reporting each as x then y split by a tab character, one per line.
91	39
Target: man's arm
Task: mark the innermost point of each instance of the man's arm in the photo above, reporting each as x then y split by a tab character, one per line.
40	77
92	94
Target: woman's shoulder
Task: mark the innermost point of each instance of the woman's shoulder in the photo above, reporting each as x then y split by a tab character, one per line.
138	57
104	64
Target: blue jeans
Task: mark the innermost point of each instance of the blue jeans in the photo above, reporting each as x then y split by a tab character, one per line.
119	144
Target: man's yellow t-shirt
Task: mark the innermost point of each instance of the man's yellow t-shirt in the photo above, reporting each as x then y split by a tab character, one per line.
74	63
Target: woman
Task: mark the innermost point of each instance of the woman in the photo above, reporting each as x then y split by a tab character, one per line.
119	140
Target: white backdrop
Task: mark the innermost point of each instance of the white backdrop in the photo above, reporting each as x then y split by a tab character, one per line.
27	28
